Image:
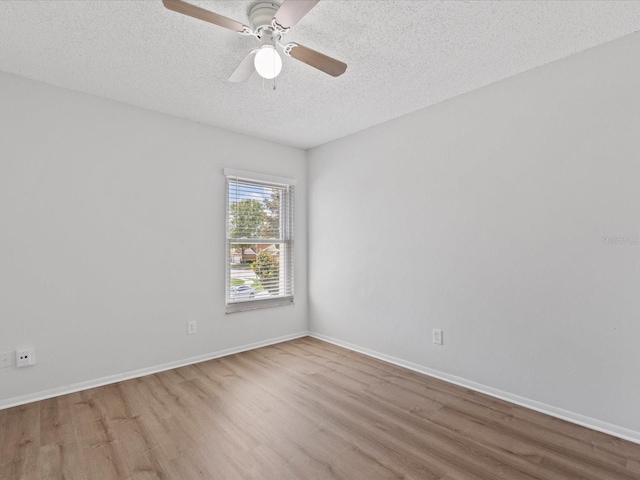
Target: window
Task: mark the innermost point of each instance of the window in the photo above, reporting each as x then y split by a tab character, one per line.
259	241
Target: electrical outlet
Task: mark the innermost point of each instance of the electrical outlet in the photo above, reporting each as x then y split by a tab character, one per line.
25	357
437	336
6	359
191	327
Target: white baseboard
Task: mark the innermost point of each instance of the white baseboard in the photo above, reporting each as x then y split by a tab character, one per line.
99	382
592	423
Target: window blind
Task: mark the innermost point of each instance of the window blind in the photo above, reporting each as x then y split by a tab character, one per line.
260	215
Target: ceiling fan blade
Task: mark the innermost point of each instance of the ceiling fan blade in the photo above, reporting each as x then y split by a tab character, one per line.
318	60
202	14
244	70
291	11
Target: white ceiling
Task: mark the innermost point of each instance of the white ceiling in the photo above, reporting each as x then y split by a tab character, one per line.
401	56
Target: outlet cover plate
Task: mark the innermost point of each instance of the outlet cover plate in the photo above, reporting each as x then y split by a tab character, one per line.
25	357
437	336
191	327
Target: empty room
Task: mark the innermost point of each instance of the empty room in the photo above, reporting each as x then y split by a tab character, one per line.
319	239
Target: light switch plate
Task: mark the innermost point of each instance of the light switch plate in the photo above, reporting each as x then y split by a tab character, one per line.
6	359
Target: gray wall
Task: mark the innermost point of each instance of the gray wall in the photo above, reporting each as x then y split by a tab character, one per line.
112	222
484	216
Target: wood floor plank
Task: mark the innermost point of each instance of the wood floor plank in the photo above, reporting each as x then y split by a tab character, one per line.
19	452
303	409
56	426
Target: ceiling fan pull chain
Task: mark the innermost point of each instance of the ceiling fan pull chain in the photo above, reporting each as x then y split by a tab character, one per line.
274	64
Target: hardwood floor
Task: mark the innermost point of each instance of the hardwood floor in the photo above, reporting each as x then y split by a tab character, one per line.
298	410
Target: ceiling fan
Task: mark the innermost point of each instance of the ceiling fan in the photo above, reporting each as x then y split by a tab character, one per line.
269	22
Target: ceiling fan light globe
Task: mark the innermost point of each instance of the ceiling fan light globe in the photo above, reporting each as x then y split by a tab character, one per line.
268	62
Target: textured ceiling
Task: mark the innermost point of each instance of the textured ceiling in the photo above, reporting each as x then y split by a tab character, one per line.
401	56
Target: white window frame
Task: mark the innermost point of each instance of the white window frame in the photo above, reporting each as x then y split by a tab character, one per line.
287	233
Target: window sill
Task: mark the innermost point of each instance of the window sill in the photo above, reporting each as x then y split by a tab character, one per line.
258	304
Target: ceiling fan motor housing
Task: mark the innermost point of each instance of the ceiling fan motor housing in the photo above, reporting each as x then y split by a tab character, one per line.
261	14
